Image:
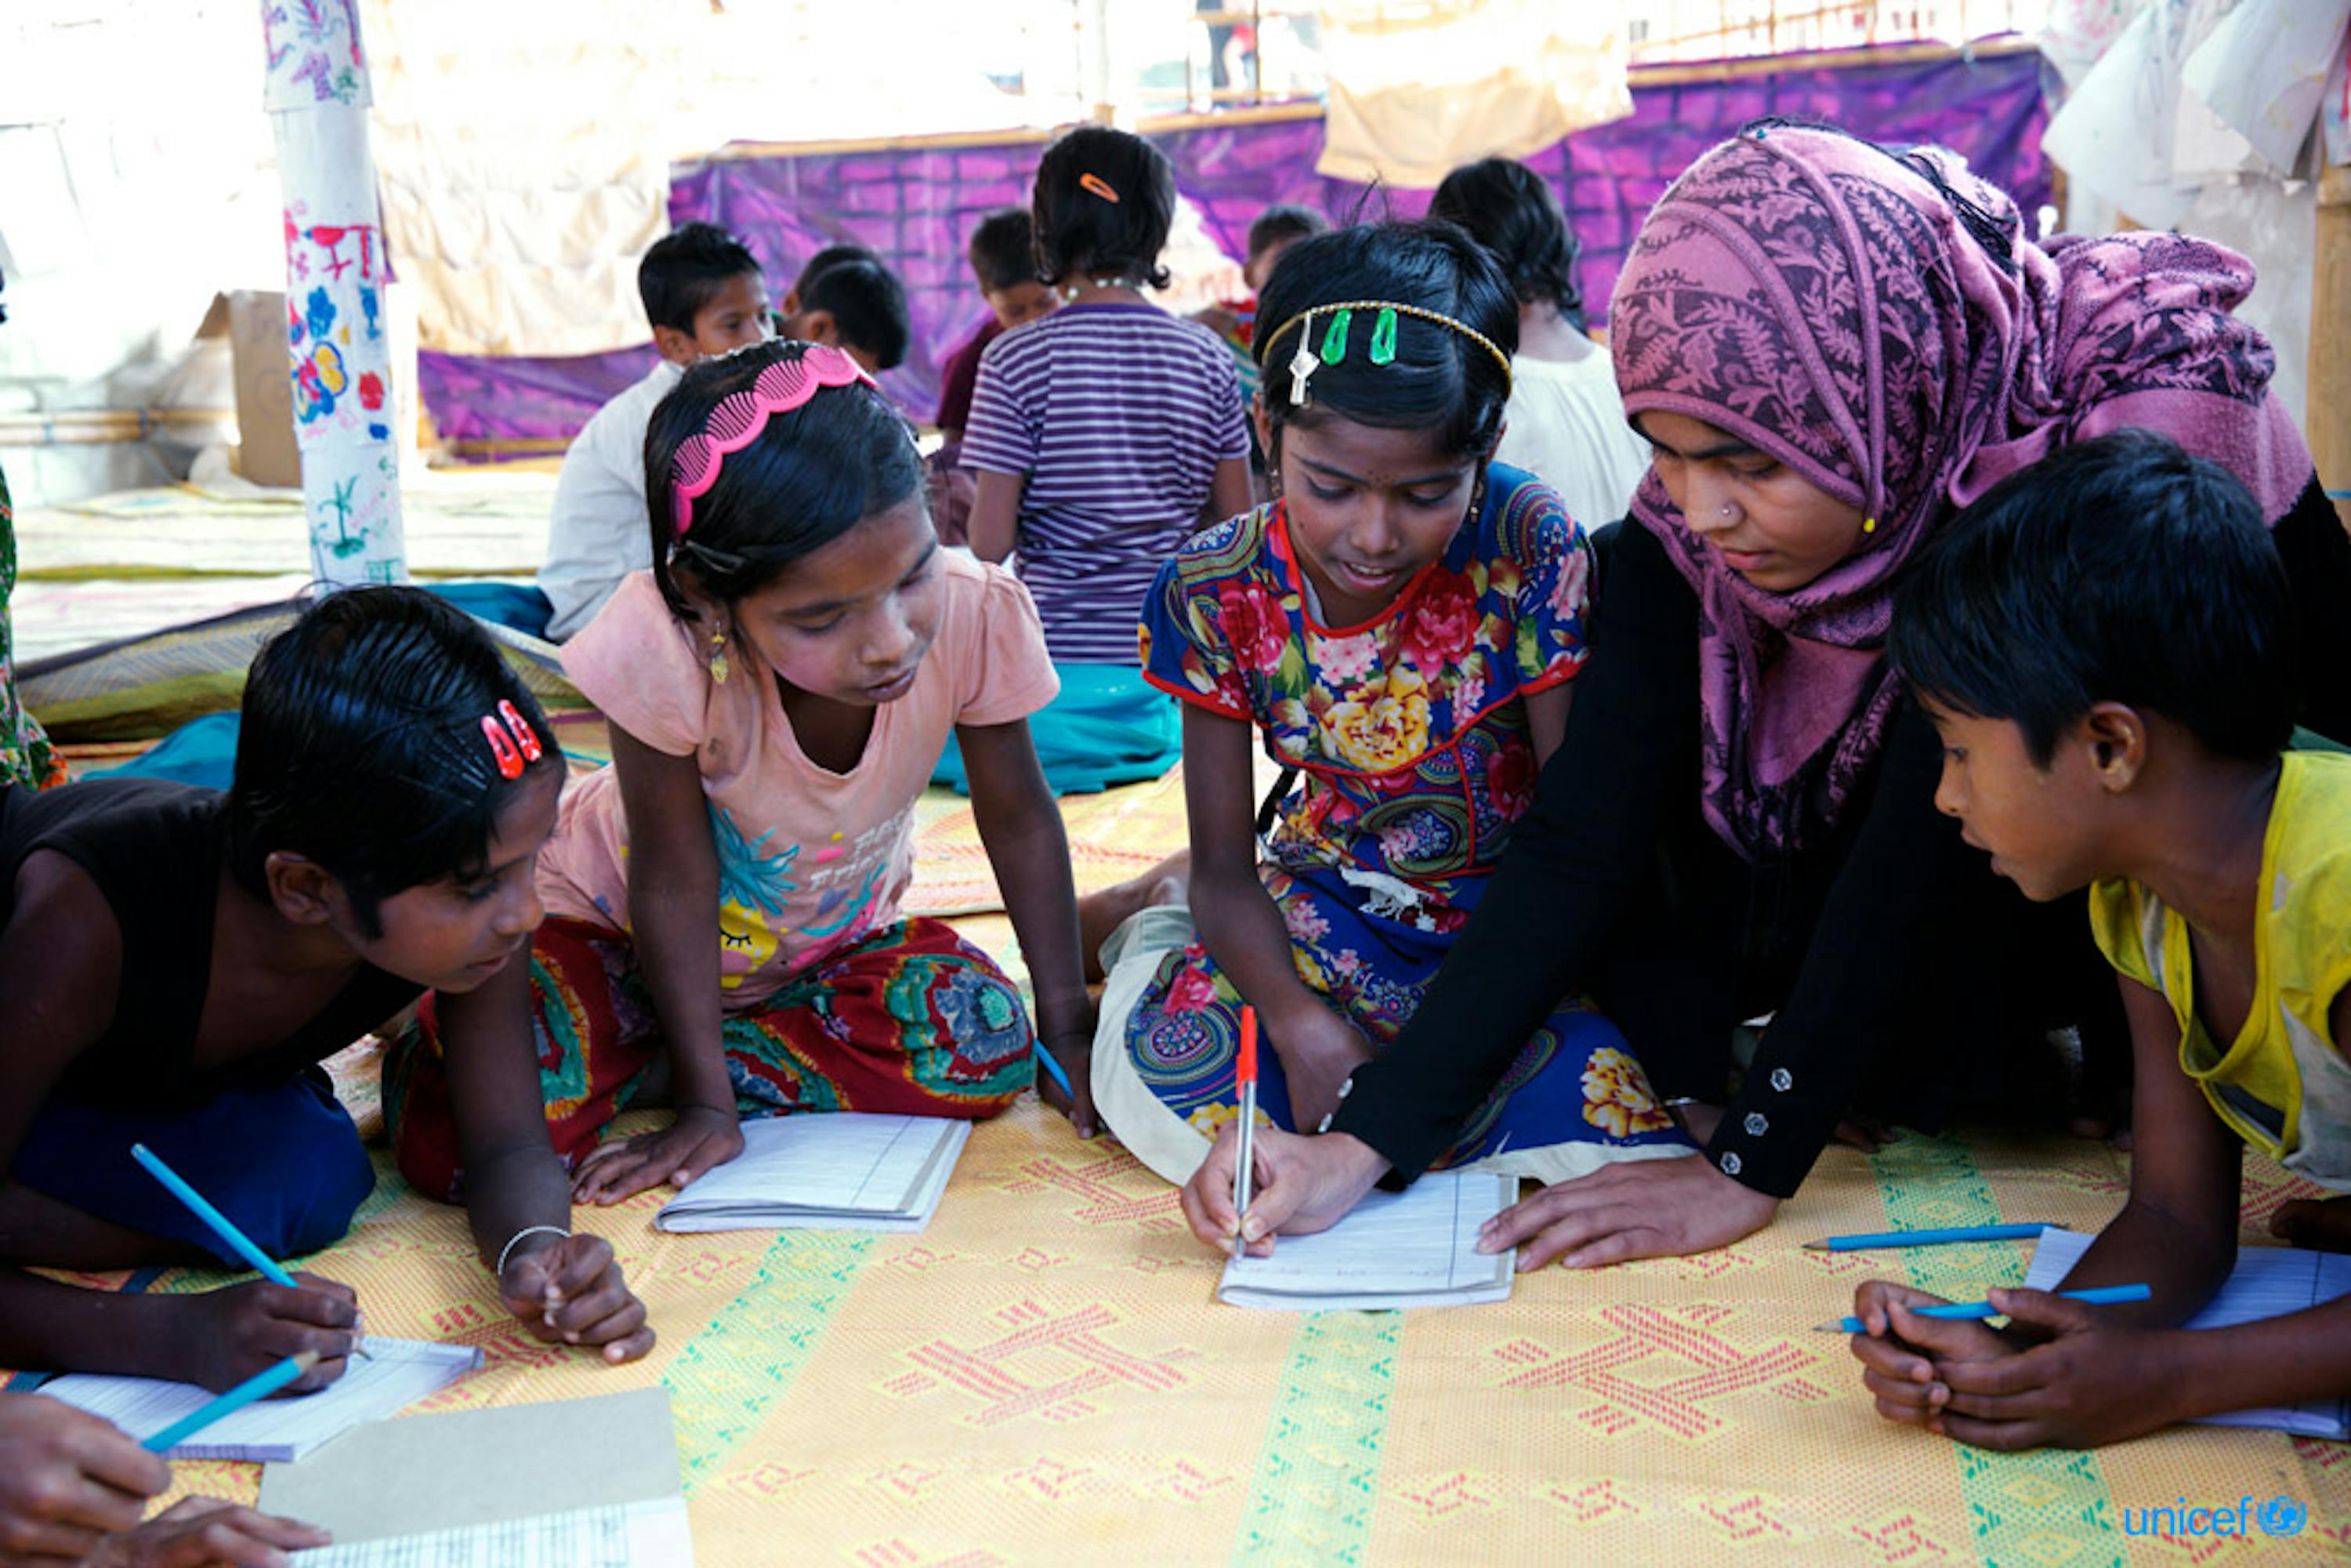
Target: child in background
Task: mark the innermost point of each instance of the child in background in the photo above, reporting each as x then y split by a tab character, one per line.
847	300
1565	425
703	295
1102	436
1400	625
1277	229
725	935
2106	643
1004	263
176	963
73	1485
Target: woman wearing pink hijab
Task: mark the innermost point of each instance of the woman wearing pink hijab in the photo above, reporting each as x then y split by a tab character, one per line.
1831	349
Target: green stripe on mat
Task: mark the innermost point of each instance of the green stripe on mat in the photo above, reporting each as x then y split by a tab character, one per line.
2045	1509
1317	1474
722	1381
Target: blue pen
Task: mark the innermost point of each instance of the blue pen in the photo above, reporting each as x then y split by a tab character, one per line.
2096	1296
1054	1070
1926	1237
260	1385
236	1240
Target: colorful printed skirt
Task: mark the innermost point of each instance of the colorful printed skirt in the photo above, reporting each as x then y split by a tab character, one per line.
1573	1100
914	1020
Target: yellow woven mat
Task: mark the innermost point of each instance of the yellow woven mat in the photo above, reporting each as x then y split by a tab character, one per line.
1044	1377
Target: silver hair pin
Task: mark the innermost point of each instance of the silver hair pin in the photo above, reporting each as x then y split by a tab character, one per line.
1303	363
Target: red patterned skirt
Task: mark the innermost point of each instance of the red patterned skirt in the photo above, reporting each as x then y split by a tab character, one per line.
913	1021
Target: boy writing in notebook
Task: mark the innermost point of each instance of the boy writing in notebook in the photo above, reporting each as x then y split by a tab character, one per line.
2105	643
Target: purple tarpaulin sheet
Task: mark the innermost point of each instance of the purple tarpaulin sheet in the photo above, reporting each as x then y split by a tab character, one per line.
916	205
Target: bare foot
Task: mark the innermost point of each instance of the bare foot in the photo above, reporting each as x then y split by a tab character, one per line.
2323	1225
1100	913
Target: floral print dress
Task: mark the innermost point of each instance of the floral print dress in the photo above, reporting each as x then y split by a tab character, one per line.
1409	736
26	754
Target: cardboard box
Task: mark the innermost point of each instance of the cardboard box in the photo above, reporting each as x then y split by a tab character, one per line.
264	391
255	322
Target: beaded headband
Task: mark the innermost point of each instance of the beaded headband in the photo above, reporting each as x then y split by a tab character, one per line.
514	745
1306	360
739	417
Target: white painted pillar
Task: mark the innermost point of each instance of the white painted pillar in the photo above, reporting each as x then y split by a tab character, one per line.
338	339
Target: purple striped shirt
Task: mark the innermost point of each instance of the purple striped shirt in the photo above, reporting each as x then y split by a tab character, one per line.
1118	415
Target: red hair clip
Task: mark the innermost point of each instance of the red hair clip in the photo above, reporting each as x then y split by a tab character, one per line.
514	745
1095	185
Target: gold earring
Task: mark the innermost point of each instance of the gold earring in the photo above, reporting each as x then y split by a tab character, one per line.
718	653
1869	525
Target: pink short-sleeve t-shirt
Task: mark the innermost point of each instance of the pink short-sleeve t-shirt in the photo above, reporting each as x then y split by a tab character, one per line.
809	860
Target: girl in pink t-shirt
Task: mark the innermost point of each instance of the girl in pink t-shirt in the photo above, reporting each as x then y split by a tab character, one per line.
724	935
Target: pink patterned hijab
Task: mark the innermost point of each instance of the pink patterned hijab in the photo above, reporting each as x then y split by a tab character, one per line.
1833	305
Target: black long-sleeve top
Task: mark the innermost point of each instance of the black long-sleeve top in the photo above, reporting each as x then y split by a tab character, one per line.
1556	897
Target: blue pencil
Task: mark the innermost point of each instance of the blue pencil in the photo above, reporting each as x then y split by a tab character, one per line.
1053	1069
231	1237
2096	1296
260	1385
1926	1237
237	1240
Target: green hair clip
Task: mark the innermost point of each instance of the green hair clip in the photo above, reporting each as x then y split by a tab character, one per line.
1383	331
1334	342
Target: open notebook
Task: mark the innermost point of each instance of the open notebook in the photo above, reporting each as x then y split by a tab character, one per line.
2268	1282
396	1373
835	1170
1418	1247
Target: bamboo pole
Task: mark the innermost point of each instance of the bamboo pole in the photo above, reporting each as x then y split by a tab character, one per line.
2329	403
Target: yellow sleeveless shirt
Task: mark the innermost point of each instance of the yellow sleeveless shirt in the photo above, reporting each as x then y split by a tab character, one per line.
2281	1084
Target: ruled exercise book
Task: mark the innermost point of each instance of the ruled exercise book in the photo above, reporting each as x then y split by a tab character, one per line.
830	1170
1418	1247
396	1373
2268	1282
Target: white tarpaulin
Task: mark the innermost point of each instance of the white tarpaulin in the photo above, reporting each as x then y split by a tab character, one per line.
1415	90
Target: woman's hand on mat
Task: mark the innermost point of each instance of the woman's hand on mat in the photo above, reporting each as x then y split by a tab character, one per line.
1634	1208
1075	1052
1299	1185
701	1138
2094	1379
1899	1350
254	1327
196	1531
1319	1050
68	1479
568	1289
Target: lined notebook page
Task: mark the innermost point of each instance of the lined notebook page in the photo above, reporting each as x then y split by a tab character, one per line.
638	1535
397	1373
830	1170
2267	1282
1418	1247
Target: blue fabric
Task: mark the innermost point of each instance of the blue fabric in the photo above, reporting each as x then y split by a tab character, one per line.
519	606
282	1161
1109	725
201	751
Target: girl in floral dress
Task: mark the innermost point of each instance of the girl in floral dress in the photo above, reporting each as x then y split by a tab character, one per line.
1402	625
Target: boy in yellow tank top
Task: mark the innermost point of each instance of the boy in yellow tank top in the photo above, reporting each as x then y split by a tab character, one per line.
2103	641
